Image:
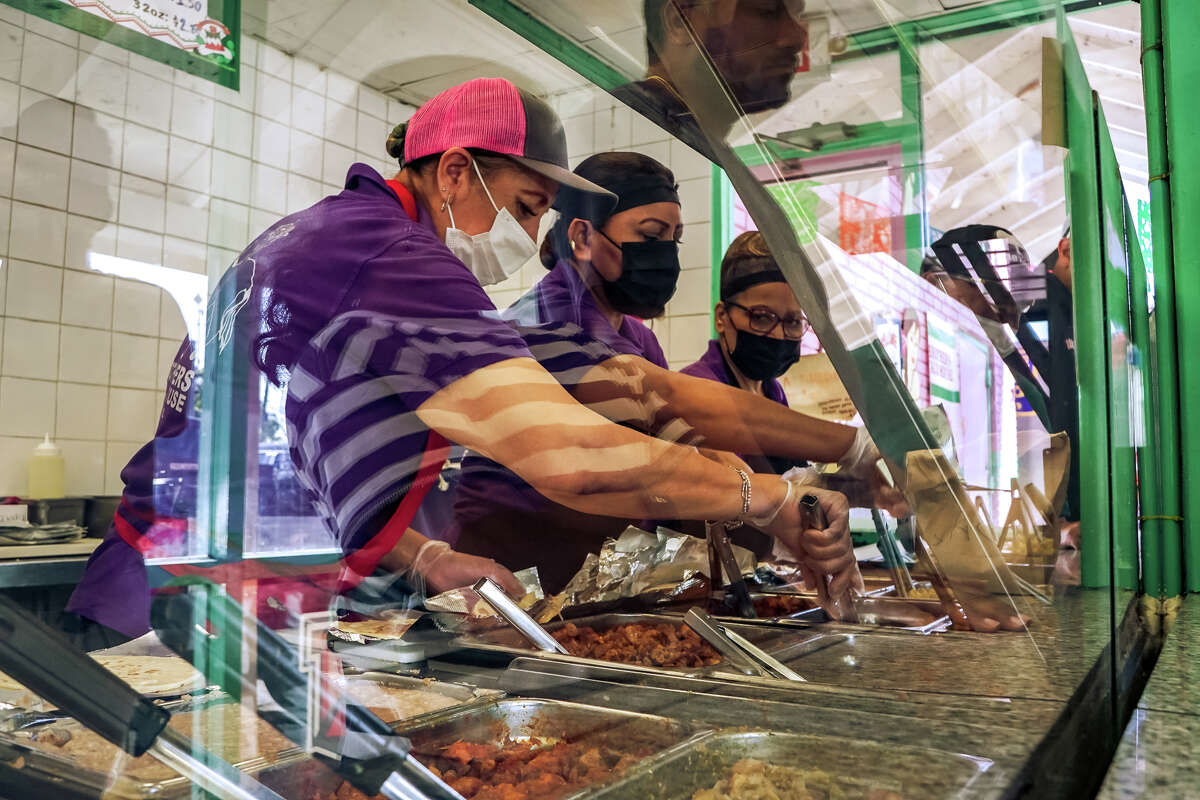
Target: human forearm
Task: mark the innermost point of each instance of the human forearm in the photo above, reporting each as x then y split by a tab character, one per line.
517	415
725	418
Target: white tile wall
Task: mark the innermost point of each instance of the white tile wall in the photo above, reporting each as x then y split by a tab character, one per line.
82	411
34	291
160	167
105	151
26	407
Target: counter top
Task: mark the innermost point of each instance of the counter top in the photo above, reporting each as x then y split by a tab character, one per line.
1159	754
81	547
44	564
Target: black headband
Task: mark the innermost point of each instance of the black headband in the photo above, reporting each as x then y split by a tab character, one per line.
638	190
642	191
741	283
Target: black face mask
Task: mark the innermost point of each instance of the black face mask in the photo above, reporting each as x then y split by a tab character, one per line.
761	358
649	274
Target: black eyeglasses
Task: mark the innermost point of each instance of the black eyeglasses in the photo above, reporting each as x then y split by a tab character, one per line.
763	320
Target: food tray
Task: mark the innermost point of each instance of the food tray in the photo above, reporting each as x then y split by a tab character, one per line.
857	766
923	616
465	697
546	721
508	641
42	773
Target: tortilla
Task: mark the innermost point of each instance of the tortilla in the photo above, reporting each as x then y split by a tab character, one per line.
148	675
387	628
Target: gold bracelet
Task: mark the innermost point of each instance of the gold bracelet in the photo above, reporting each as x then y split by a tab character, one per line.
747	490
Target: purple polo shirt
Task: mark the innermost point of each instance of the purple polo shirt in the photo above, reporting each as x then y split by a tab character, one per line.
381	316
372	316
713	367
499	515
561	297
115	590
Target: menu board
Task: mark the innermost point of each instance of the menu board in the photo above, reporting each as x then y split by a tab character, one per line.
942	340
199	37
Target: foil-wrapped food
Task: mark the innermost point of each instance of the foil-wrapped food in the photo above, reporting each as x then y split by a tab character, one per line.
639	563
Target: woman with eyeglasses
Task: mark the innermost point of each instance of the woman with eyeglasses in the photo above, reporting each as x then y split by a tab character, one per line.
759	323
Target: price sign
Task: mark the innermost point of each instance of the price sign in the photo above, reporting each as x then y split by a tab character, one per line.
196	36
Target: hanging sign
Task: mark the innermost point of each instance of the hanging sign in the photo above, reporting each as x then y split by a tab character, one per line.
199	37
864	227
942	339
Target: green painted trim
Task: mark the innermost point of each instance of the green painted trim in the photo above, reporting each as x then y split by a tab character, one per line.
1117	249
722	235
912	147
968	22
1181	59
227	12
1165	411
551	41
1149	476
875	134
224	433
1083	201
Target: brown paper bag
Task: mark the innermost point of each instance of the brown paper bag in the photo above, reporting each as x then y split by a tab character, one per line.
950	524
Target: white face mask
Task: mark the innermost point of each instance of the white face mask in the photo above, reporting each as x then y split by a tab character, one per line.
494	254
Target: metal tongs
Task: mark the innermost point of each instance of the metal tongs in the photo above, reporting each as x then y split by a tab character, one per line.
514	615
737	649
893	558
722	560
843	605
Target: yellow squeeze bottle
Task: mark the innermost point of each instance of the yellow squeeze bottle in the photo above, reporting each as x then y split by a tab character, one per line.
47	471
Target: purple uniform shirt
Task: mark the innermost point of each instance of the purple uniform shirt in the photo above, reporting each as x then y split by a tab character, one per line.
374	316
115	589
713	367
562	298
500	516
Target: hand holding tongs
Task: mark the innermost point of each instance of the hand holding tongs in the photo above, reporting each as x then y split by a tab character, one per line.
841	607
739	651
514	615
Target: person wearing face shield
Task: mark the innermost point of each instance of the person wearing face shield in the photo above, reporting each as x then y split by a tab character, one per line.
611	265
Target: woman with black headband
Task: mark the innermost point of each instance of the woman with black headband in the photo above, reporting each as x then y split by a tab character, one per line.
611	264
759	326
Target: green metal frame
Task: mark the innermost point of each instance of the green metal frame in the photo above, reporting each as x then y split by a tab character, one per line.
1083	202
1181	60
1164	533
1118	249
967	22
722	233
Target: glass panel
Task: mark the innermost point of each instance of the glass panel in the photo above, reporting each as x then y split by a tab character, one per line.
313	375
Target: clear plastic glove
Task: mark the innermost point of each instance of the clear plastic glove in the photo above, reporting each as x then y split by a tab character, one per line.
821	553
859	460
442	569
887	496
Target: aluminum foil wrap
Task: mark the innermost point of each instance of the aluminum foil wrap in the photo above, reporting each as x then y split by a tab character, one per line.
466	601
639	563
